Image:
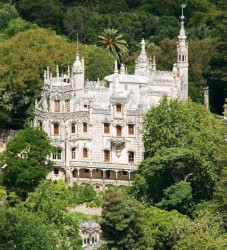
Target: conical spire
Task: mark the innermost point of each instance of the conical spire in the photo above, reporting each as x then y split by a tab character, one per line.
182	30
142	62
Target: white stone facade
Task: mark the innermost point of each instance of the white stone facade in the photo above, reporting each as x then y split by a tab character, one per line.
95	126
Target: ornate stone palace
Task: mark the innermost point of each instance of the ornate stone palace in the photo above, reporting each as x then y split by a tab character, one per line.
95	126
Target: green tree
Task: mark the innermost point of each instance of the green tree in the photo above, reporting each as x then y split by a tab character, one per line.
26	55
114	43
122	222
184	145
21	229
25	161
51	200
45	13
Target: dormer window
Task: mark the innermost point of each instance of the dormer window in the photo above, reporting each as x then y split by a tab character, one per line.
118	108
57	107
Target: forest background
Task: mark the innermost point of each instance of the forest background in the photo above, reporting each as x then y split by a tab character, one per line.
36	34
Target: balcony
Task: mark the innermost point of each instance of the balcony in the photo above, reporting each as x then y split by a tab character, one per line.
118	140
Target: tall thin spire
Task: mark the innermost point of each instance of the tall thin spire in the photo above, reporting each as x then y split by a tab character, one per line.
182	17
77	42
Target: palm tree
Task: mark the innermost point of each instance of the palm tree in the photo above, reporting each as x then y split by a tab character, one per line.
114	43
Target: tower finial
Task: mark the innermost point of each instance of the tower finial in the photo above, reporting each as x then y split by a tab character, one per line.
182	13
77	50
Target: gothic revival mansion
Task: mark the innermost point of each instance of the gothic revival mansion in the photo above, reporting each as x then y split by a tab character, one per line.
95	126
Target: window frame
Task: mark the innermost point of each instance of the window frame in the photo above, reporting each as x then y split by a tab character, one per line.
131	157
67	105
73	128
85	153
106	129
57	106
106	155
131	129
85	127
119	128
56	128
118	108
73	153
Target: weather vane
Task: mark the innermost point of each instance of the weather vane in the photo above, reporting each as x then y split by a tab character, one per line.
182	15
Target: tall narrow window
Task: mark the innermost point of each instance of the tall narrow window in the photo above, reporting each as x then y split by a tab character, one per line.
130	157
56	129
67	105
85	153
85	127
73	153
118	108
130	129
57	107
106	156
73	128
106	128
118	130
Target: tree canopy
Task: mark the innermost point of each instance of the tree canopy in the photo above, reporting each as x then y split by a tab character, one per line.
25	161
184	145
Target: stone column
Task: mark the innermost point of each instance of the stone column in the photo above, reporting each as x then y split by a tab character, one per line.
90	174
116	174
78	174
129	176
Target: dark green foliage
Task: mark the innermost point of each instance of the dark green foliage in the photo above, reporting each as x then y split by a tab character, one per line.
122	221
184	145
25	161
46	13
21	229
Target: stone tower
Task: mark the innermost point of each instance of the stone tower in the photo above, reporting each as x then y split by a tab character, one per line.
182	59
78	73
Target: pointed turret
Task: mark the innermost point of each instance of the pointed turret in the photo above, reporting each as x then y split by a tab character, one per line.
142	62
182	58
78	73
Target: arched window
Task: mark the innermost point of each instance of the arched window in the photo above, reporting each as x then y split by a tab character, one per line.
73	151
183	58
57	107
85	153
73	128
56	129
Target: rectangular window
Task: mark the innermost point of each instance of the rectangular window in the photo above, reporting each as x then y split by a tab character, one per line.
124	173
85	153
85	127
130	129
57	107
57	154
118	108
118	130
67	105
73	128
106	156
106	128
56	129
56	171
131	157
